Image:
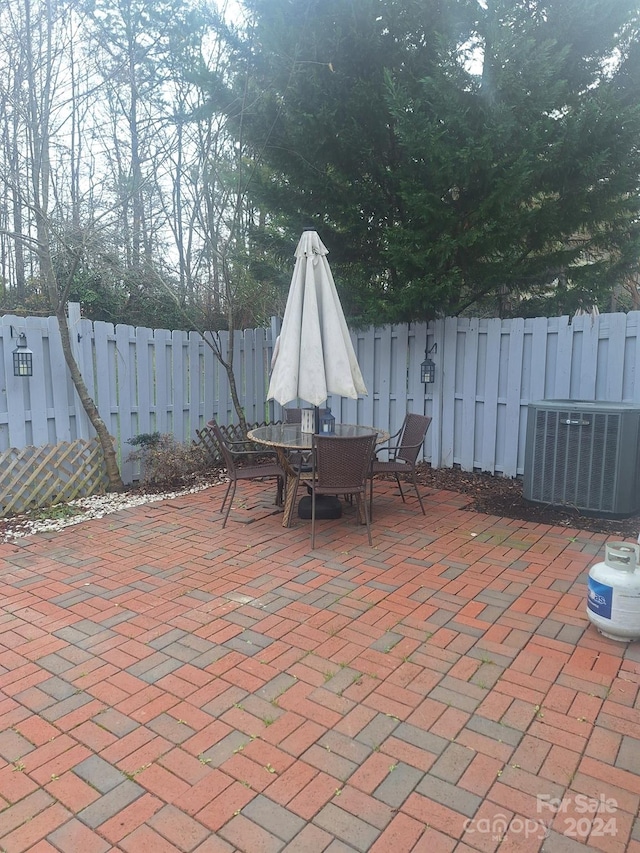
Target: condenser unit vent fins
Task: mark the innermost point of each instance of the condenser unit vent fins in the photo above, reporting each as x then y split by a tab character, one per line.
583	455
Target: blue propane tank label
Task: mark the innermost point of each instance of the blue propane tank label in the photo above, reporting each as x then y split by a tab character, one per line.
600	598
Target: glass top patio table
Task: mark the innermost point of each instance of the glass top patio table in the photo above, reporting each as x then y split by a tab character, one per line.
286	437
290	436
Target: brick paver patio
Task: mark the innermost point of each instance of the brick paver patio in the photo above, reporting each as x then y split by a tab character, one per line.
169	686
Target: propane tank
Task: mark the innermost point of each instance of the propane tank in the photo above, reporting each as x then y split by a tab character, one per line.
613	603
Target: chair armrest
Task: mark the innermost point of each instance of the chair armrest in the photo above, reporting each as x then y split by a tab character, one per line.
231	441
246	446
395	435
387	444
268	451
394	448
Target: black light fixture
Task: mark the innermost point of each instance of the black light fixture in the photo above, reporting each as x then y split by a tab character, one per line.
428	366
22	357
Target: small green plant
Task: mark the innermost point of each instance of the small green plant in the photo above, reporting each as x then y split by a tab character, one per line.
145	439
57	512
131	774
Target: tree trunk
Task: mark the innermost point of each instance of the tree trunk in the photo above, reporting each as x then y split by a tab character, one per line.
106	441
40	104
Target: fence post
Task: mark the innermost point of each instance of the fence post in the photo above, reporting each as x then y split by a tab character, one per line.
74	316
275	325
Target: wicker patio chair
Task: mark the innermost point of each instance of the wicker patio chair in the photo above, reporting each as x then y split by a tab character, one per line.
232	452
402	455
340	466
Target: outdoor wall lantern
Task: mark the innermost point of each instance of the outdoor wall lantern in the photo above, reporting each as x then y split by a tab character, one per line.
428	366
327	422
22	357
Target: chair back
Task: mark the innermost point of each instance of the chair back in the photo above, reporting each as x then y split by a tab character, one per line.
413	433
227	456
292	416
342	462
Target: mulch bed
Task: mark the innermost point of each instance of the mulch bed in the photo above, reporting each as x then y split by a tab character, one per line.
503	497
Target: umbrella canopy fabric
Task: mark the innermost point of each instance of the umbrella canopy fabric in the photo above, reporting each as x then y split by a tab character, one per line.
314	356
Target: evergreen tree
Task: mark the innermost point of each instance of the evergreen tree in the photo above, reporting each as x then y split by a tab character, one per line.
452	155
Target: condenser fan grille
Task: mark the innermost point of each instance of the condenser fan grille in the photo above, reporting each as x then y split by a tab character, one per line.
586	459
577	455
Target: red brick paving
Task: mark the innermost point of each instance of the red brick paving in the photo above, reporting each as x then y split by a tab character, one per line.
166	685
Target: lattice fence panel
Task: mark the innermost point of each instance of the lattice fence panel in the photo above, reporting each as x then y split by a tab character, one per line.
233	433
35	477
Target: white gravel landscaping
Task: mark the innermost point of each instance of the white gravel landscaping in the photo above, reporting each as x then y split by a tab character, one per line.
85	509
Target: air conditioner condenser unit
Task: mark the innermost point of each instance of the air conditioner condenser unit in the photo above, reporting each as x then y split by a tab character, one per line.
584	455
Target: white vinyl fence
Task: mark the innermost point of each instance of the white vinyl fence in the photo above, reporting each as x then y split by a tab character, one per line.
487	371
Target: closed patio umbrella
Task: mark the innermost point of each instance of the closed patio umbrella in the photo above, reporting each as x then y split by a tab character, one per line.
315	356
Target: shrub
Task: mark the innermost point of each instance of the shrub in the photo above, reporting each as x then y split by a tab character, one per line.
167	462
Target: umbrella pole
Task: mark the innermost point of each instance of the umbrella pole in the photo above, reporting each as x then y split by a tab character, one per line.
317	419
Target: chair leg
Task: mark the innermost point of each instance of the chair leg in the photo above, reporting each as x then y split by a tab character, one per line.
415	485
313	519
234	483
400	487
361	501
226	495
370	497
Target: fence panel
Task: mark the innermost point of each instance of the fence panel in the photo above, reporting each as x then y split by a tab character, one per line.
487	372
60	384
36	391
194	384
144	421
223	410
416	391
125	390
85	357
208	390
102	366
615	356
